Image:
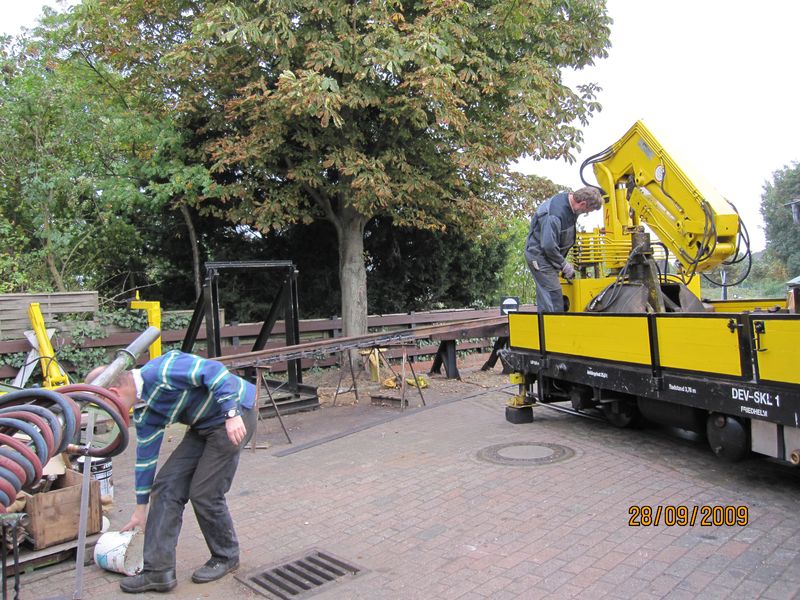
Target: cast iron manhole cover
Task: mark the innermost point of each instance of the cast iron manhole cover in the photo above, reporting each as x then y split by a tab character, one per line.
525	454
313	572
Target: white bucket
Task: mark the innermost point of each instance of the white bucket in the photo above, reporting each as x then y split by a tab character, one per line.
103	472
120	551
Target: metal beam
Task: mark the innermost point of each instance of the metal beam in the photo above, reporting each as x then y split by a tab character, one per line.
461	329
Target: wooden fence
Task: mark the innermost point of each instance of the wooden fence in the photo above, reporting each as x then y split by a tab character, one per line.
14	309
239	338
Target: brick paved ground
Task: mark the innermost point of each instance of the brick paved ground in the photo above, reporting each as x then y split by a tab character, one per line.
409	500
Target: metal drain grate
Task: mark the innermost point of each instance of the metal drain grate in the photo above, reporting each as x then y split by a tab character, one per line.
313	572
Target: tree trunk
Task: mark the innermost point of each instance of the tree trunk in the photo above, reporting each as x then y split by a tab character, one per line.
198	286
51	266
49	258
352	273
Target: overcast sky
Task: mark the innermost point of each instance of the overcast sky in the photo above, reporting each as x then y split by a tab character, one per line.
716	80
20	13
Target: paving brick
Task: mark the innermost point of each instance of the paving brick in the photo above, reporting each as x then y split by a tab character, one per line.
652	569
680	594
588	576
697	580
750	589
782	590
598	589
620	573
408	500
663	584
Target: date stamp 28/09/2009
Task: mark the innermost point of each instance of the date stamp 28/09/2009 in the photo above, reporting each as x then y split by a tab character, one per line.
682	515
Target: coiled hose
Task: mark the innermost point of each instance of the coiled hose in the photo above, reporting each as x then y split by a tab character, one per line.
50	421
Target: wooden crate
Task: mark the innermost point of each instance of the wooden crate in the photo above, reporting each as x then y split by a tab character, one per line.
55	514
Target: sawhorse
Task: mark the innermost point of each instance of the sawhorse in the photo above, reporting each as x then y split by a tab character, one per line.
446	355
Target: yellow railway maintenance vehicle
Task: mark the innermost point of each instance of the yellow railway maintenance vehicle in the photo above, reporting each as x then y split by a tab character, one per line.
638	342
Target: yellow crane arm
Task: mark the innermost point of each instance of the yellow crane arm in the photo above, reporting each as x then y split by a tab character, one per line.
645	185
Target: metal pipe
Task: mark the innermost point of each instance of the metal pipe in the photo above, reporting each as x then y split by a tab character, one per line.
126	358
83	516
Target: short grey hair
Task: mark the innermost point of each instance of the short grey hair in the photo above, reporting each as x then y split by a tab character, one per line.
592	196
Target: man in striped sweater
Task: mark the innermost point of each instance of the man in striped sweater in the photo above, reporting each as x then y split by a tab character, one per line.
219	409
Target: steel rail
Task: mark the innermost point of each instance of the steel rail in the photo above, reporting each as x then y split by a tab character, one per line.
370	340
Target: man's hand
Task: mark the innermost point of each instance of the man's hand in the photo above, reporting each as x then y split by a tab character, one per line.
568	270
138	519
236	430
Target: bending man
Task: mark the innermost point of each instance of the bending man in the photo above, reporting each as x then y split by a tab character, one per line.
218	408
552	234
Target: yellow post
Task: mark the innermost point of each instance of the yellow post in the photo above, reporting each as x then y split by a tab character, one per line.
372	359
153	310
54	376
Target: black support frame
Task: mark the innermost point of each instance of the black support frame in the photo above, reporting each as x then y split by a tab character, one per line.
285	300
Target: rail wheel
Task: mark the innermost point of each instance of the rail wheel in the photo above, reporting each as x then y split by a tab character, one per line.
621	413
727	437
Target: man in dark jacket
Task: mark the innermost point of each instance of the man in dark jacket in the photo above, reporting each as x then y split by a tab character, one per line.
551	236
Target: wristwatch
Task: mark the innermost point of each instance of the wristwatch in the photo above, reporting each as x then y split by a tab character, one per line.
234	412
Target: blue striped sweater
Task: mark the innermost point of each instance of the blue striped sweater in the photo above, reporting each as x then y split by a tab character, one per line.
181	388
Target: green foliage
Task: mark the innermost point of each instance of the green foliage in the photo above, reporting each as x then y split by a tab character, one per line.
86	169
58	192
84	330
411	112
82	360
16	269
516	279
410	269
175	346
175	322
135	320
781	231
72	357
767	279
772	268
268	117
14	359
38	190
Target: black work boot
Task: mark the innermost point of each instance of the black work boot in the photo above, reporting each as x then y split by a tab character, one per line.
214	569
149	581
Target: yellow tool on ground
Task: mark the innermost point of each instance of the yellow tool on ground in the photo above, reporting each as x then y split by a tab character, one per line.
394	382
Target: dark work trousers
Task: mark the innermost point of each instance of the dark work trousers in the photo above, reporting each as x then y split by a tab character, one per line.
200	469
549	297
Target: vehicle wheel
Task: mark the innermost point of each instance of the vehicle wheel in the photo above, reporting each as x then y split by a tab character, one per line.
581	398
621	413
727	437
